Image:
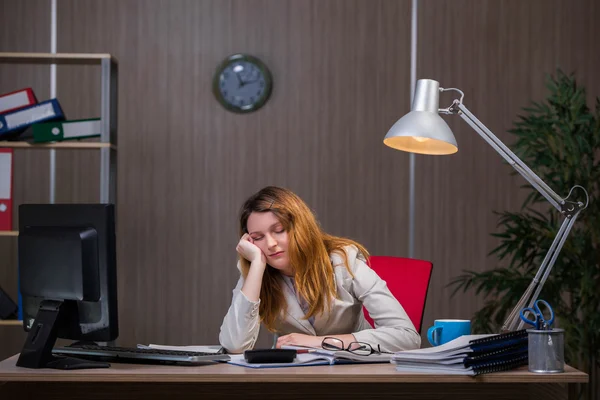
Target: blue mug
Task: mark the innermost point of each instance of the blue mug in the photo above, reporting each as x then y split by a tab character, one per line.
445	330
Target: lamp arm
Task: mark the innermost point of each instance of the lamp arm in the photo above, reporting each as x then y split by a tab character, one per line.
510	157
513	320
569	209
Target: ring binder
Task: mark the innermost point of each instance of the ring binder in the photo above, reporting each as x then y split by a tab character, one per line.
468	355
501	365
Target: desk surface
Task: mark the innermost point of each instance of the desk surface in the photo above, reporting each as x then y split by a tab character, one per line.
370	373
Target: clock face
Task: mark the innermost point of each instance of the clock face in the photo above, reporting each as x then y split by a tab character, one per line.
242	83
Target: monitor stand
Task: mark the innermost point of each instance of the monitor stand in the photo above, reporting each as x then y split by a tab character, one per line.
37	351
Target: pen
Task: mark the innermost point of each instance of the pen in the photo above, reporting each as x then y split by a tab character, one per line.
302	351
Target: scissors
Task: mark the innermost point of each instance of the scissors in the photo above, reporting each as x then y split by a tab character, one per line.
539	321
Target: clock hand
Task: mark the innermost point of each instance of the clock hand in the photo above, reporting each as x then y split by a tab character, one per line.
241	82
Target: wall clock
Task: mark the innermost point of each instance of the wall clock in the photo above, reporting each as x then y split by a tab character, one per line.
242	83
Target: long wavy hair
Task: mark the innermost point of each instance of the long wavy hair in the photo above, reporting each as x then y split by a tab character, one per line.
309	252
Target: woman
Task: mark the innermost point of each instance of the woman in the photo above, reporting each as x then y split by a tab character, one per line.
305	285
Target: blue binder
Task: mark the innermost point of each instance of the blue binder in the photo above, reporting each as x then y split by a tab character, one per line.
14	123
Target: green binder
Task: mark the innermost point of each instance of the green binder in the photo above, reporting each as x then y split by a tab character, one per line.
66	130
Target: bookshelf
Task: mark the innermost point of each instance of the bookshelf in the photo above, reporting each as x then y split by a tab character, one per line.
74	145
106	145
11	322
56	58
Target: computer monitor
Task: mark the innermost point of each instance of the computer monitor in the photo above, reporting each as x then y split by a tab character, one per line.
67	279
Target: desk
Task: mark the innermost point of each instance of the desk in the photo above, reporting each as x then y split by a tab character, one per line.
373	381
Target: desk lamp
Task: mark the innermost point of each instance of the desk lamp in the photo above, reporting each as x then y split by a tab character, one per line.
423	131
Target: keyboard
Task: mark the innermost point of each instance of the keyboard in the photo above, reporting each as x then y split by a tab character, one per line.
135	355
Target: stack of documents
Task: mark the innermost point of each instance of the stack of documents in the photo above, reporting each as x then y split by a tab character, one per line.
467	355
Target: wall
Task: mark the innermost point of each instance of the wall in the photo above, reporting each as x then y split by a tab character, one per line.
341	79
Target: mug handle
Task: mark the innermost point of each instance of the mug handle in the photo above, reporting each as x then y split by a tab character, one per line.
433	335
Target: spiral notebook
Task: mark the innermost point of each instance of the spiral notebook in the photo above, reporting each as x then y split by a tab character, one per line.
461	369
468	355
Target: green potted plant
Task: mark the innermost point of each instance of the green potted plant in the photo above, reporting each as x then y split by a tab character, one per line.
560	140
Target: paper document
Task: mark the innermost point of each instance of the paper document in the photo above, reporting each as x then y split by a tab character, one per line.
467	355
460	345
214	349
301	360
344	356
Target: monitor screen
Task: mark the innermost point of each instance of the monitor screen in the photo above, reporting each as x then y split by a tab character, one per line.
67	271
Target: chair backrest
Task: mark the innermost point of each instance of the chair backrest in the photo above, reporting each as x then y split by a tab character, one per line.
408	280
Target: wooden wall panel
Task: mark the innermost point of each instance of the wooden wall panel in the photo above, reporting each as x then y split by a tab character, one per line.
25	26
498	53
341	75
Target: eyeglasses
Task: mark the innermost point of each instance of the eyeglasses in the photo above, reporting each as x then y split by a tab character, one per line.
358	348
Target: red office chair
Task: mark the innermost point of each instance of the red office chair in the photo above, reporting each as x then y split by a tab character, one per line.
408	280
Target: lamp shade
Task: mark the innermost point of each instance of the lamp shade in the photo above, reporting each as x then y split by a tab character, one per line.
422	130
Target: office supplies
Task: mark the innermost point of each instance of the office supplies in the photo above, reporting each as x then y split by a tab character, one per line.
466	344
269	356
539	321
136	355
461	369
468	355
423	131
6	189
546	350
57	131
12	124
15	100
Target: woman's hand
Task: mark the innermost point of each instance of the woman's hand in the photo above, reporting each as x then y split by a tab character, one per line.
299	339
247	249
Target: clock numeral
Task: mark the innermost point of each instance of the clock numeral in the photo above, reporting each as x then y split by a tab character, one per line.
251	99
241	102
224	93
232	100
225	75
259	92
262	83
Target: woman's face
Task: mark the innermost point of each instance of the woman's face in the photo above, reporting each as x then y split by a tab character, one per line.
268	234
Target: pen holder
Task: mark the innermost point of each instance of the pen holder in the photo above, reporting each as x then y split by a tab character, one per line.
546	349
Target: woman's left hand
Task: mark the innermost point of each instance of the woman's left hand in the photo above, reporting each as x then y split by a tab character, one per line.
299	339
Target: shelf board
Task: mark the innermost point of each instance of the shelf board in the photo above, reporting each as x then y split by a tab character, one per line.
56	58
57	145
11	322
9	233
